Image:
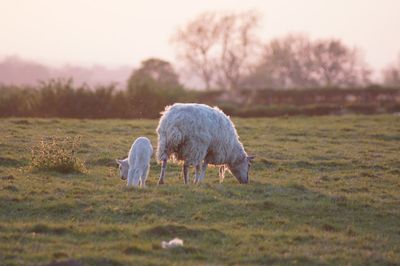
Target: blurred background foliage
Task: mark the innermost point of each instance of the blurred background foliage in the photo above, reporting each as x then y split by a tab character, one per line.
222	51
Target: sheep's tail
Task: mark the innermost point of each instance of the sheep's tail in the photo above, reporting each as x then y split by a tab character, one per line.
165	148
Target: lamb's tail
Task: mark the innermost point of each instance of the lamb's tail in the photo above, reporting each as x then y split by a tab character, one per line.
167	145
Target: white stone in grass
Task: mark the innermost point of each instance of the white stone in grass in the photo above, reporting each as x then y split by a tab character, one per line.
176	242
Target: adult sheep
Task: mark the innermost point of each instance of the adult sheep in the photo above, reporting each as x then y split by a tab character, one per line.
200	135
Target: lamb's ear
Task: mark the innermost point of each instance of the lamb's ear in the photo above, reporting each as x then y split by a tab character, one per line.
118	161
250	158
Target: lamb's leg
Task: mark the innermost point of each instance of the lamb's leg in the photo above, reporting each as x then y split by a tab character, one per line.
144	176
221	173
162	174
131	173
136	178
185	168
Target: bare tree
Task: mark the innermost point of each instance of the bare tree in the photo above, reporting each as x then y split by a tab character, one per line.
297	62
391	74
336	65
218	47
286	63
195	44
239	44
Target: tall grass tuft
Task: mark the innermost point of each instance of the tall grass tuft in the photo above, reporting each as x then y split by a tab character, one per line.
57	154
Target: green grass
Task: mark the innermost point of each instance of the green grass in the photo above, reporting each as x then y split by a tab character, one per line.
323	190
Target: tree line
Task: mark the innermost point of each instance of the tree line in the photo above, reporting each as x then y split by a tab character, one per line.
146	98
240	73
224	50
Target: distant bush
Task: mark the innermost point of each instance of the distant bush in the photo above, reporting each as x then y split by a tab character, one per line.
267	110
60	98
54	154
146	98
306	110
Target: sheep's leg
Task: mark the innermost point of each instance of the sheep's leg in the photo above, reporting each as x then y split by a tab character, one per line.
203	170
221	173
197	174
185	173
200	172
162	174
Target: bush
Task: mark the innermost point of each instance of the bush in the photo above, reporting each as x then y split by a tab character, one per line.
146	98
55	154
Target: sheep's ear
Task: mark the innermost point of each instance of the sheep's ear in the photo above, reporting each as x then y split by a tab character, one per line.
250	158
118	161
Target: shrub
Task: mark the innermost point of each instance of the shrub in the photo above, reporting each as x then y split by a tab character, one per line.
57	154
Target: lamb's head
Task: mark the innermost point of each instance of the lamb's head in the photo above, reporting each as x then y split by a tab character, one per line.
240	169
123	168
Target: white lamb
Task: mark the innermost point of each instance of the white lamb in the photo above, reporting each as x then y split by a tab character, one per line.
135	168
200	135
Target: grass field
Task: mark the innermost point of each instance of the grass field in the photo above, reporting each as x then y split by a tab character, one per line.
323	190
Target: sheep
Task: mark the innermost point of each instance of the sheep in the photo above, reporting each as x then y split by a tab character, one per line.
200	135
135	168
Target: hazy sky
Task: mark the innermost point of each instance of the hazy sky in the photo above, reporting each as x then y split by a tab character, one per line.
117	32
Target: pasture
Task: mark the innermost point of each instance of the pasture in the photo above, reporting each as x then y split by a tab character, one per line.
323	191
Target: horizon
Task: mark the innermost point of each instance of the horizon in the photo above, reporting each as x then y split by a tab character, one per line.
123	38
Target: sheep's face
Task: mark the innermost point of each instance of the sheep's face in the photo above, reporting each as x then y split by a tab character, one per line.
241	169
123	168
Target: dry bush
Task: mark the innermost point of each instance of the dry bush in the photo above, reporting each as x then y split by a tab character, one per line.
57	154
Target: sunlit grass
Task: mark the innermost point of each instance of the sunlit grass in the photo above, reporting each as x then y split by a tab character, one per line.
322	190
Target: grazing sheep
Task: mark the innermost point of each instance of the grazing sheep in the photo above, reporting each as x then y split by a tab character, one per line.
200	135
135	168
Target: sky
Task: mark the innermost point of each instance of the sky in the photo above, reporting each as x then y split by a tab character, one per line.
125	32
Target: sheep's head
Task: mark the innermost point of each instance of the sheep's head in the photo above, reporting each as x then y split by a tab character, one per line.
240	169
123	168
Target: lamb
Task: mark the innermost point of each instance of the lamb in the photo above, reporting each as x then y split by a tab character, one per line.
135	168
200	135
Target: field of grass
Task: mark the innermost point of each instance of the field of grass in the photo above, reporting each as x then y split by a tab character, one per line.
323	190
